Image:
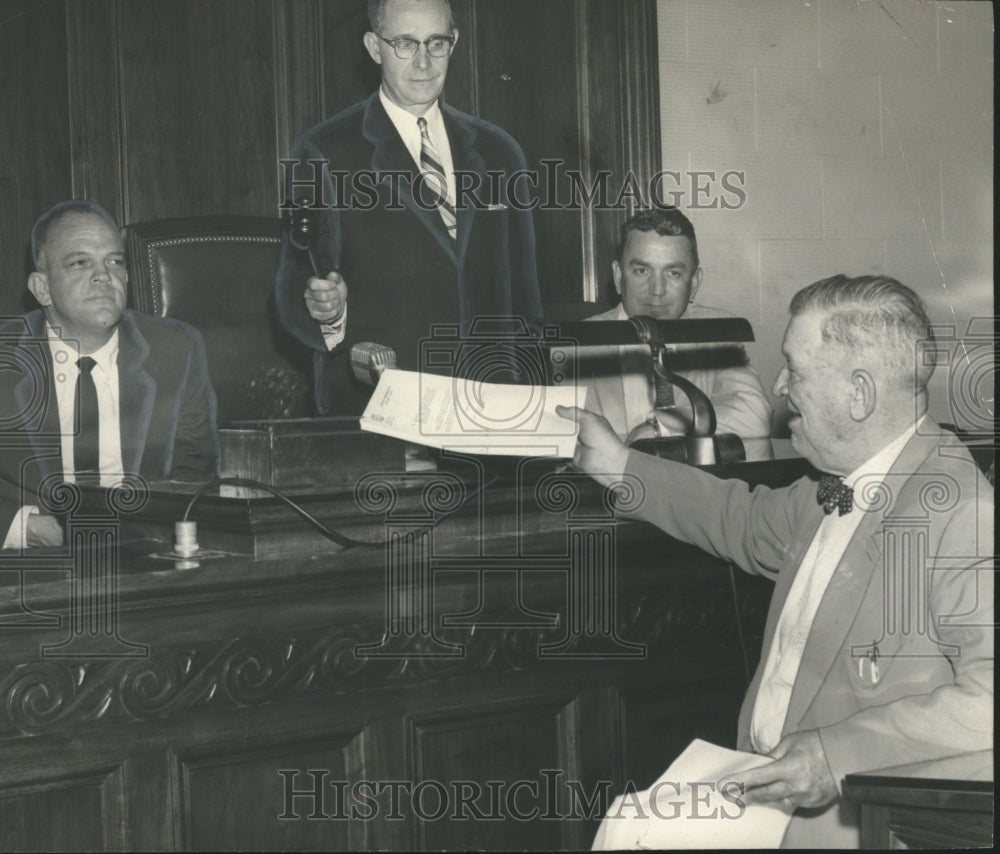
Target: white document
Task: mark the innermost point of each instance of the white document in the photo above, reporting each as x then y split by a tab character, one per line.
688	808
473	417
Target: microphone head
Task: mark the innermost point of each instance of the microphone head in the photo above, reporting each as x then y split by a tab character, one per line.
369	360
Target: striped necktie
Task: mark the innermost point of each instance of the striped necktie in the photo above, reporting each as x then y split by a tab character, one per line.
433	172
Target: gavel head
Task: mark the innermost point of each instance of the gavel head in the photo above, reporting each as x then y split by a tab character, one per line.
303	229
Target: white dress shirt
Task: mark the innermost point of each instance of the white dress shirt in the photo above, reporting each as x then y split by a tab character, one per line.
814	574
408	129
65	373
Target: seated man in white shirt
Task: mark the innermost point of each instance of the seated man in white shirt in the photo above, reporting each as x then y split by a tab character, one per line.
878	649
657	273
90	389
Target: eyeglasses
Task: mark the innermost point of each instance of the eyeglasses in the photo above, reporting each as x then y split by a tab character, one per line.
406	48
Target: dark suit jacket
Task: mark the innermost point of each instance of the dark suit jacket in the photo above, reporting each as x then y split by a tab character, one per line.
166	406
922	553
402	272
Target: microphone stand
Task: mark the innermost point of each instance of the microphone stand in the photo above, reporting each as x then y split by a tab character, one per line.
701	446
700	440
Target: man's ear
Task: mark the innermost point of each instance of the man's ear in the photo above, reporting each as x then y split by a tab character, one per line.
863	394
38	284
616	272
373	46
695	284
454	35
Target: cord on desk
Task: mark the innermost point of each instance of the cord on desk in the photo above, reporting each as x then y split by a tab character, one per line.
338	538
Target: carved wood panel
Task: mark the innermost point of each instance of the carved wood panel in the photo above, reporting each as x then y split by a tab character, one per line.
501	760
77	810
277	795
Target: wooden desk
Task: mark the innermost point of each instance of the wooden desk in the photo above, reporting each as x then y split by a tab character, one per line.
239	701
947	803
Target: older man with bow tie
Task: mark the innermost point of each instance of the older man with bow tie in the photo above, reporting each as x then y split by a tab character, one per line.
878	647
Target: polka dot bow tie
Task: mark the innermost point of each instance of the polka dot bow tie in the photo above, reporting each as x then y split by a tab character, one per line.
834	493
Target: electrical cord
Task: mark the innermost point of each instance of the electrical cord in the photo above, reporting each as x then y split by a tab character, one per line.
335	536
338	538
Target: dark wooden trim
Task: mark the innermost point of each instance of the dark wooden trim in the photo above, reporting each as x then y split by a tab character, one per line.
619	101
97	133
471	36
298	85
640	87
583	70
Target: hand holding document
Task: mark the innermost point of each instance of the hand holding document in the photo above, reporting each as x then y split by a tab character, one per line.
696	803
473	417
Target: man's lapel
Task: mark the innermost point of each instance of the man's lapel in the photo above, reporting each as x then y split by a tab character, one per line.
466	158
838	609
35	397
811	517
845	595
137	393
391	155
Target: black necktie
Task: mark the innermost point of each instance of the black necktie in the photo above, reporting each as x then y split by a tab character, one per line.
833	492
87	442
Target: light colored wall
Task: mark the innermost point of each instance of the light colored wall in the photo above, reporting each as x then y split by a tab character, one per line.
865	131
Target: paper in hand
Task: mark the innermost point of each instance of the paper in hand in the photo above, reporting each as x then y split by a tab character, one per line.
692	805
473	417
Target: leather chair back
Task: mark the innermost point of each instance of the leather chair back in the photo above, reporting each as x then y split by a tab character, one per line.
217	273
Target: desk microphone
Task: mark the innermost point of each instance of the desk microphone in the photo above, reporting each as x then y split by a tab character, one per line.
369	360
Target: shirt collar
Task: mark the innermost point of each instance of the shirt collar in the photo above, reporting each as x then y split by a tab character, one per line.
405	118
875	468
106	356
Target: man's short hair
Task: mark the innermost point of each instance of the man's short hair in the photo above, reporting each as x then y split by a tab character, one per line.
877	314
667	221
376	14
42	226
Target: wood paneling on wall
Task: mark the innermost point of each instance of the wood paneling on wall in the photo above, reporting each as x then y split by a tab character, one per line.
167	108
35	162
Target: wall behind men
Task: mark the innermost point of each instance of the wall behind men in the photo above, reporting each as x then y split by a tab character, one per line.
865	132
174	108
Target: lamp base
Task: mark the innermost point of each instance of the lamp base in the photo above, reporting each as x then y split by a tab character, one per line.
695	450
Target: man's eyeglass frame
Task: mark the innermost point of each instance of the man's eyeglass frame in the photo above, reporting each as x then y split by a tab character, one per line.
395	45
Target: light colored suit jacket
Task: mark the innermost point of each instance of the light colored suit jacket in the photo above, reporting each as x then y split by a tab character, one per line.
933	529
741	404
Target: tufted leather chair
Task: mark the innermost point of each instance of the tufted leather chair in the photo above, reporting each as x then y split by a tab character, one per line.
217	273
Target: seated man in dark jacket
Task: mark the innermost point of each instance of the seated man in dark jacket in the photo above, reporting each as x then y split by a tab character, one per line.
89	388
